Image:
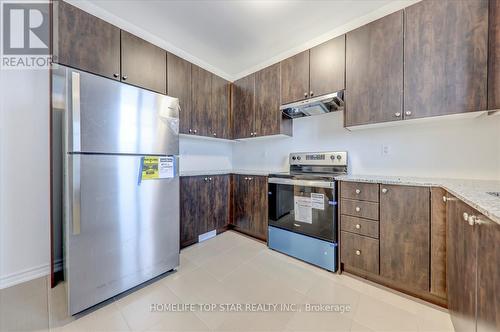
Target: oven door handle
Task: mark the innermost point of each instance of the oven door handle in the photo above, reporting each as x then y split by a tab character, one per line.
303	183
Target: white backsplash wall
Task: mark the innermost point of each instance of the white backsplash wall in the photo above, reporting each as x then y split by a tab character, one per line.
199	154
451	148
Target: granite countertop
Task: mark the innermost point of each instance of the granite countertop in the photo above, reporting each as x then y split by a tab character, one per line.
227	171
472	192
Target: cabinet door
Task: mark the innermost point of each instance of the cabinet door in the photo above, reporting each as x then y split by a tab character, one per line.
258	212
243	106
85	42
242	202
267	101
220	203
438	242
374	72
189	210
179	86
327	68
488	277
205	202
404	235
219	126
461	250
494	56
446	53
143	64
202	114
295	78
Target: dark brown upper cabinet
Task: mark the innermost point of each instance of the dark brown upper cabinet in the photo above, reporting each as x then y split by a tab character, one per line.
201	114
446	55
374	72
404	235
494	56
85	42
256	105
179	86
219	117
295	78
268	117
243	107
315	72
327	67
143	64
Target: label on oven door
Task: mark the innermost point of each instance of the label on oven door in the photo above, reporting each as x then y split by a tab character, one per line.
318	201
303	209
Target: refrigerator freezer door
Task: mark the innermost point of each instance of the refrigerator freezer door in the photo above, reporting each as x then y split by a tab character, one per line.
126	231
105	116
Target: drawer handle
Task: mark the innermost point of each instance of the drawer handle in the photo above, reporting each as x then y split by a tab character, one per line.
358	209
358	226
384	190
358	191
358	252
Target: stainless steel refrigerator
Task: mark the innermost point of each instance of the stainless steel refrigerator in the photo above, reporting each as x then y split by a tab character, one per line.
120	220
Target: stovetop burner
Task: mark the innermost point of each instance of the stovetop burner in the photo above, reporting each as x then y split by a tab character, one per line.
314	165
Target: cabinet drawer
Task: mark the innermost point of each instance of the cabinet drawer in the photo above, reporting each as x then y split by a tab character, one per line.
362	209
361	191
359	252
359	226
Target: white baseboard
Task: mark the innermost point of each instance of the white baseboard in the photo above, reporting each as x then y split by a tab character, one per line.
24	275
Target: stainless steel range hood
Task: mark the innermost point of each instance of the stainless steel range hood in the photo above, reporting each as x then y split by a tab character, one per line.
314	106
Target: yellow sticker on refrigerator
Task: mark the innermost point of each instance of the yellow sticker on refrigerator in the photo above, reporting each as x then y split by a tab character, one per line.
156	167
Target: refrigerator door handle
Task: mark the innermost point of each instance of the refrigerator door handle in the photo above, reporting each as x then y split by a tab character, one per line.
76	194
75	107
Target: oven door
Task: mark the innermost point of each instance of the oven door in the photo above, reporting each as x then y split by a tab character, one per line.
307	207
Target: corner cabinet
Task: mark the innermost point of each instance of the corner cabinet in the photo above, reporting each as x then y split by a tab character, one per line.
473	265
315	72
219	125
250	205
204	206
374	72
85	42
446	57
179	86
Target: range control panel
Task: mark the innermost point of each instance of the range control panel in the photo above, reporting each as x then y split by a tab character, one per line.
319	158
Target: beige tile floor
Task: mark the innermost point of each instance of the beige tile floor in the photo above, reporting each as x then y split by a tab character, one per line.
234	269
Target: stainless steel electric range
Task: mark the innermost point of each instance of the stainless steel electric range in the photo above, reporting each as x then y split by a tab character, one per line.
303	208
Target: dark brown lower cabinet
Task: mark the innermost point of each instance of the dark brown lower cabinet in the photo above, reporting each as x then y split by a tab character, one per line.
404	235
204	206
473	264
250	205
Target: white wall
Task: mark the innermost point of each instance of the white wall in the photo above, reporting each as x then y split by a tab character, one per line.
456	148
199	154
24	175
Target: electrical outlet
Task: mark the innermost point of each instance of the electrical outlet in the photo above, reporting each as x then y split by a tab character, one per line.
386	150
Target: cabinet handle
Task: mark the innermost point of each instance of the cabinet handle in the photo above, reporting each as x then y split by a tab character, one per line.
358	252
358	226
215	134
210	179
358	209
190	130
384	190
115	75
397	114
206	179
255	133
408	113
311	93
358	191
475	220
250	179
195	131
305	94
124	77
246	178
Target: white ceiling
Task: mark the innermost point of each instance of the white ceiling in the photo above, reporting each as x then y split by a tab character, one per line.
234	36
